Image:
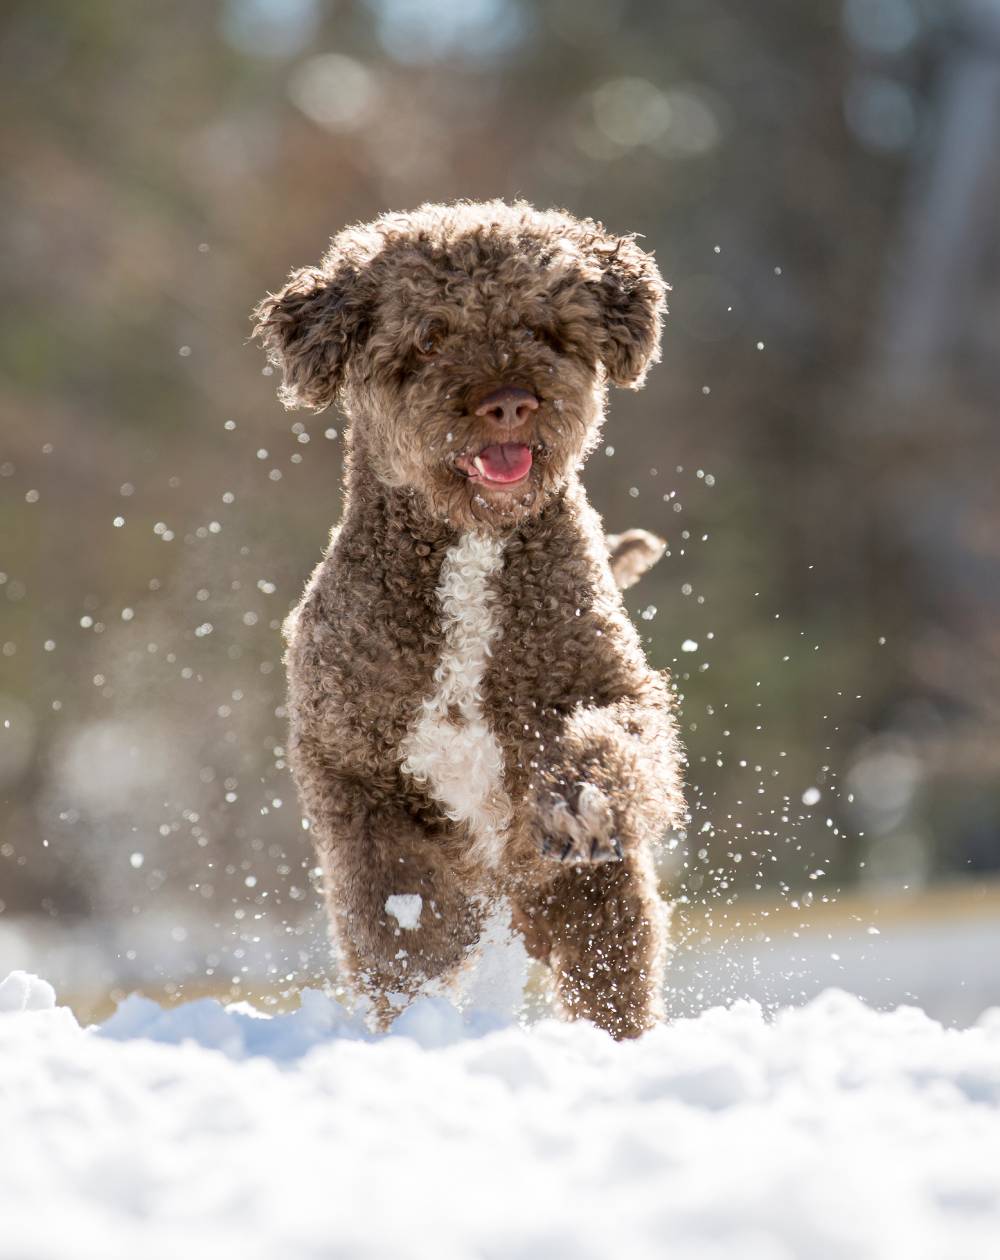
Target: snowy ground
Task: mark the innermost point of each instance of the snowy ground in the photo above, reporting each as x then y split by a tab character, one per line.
830	1131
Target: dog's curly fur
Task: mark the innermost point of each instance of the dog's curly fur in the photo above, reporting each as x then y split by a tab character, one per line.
472	715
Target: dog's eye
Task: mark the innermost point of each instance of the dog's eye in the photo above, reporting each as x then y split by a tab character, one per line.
429	341
547	337
527	334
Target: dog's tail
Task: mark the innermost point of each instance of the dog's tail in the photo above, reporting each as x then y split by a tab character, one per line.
631	554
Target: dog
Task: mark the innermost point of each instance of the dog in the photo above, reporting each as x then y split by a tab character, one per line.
471	713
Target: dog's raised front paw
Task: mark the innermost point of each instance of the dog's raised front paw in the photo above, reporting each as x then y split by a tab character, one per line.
580	829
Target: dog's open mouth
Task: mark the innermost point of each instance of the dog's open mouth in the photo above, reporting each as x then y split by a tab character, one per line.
502	465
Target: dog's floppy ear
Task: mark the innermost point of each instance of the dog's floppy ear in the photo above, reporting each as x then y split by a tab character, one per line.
311	327
632	296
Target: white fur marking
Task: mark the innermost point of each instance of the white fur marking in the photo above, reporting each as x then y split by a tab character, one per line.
460	761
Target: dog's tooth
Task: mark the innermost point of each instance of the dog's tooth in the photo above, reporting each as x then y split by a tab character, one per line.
477	463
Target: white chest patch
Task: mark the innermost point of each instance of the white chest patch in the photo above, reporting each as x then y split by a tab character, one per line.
449	747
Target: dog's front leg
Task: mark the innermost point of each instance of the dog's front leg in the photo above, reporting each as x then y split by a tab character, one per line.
604	779
400	913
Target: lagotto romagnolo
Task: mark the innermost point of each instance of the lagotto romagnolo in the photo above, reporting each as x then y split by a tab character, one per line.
472	716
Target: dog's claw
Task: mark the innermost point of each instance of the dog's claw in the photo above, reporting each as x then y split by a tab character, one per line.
609	850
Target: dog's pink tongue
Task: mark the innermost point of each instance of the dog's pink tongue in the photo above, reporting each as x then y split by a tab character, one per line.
507	461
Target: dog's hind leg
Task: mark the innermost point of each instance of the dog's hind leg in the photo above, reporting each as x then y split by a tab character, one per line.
602	931
400	915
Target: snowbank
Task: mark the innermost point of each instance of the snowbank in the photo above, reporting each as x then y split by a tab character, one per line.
829	1132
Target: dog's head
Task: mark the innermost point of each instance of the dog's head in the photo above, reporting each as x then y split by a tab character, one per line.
470	345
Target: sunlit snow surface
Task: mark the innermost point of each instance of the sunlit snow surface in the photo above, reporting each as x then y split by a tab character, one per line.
828	1131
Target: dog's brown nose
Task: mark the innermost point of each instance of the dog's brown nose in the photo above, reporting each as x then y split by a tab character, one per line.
510	405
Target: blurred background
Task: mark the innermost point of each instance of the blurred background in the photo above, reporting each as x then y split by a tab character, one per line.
821	185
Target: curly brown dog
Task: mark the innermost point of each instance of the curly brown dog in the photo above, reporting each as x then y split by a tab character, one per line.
472	716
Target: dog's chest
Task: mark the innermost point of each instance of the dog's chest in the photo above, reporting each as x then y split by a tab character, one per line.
449	746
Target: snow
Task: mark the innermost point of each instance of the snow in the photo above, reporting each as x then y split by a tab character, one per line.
23	992
828	1132
406	909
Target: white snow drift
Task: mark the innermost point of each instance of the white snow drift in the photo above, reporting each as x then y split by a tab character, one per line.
830	1132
